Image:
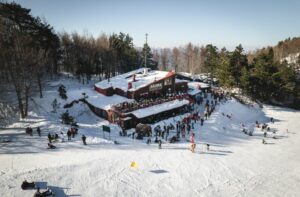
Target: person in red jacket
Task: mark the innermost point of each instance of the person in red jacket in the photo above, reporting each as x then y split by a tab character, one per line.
193	144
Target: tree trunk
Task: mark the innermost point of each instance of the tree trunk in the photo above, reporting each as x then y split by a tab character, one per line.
26	100
20	103
40	84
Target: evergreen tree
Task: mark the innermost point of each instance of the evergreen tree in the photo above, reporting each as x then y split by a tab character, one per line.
66	118
238	60
149	58
211	60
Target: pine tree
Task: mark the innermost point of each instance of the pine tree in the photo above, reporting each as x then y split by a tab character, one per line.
66	118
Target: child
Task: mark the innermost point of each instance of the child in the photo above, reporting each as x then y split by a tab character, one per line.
193	144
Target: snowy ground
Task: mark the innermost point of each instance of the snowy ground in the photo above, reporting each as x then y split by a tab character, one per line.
236	165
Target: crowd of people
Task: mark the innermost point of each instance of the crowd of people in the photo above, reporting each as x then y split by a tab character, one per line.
185	128
53	138
145	102
29	131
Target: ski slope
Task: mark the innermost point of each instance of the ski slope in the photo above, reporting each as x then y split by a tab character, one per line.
236	164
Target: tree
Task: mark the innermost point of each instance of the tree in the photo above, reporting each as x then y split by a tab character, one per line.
164	58
211	59
66	118
238	60
176	54
149	58
223	71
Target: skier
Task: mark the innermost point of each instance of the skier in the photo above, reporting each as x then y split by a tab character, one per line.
272	119
265	134
38	130
193	144
83	139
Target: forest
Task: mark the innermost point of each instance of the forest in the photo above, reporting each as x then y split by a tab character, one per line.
32	51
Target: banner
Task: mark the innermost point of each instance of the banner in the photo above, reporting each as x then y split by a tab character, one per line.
106	128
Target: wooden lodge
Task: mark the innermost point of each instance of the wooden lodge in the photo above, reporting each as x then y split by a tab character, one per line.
140	96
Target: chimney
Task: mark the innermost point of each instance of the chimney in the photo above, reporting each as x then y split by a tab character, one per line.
129	85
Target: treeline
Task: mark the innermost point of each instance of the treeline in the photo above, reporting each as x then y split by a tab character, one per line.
32	51
105	56
265	78
261	75
283	49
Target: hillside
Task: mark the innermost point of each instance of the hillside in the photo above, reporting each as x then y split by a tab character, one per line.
236	164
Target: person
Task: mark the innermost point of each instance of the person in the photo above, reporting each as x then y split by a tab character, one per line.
148	141
272	119
27	185
265	134
193	144
183	133
207	147
56	136
83	139
264	141
51	146
188	127
159	144
48	192
30	131
167	134
206	115
73	132
69	135
49	137
62	136
202	120
38	130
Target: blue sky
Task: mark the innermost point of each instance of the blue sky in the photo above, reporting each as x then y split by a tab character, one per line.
169	23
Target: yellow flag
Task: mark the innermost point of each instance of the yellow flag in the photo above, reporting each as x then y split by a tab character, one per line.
133	165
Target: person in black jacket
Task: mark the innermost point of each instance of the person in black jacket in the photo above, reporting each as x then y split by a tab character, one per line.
83	139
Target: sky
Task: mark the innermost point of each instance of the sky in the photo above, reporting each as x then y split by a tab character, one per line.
170	23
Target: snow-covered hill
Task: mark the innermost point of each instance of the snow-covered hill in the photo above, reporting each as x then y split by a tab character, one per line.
236	164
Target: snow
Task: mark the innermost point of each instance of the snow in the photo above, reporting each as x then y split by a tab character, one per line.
105	102
121	81
291	58
196	85
236	165
141	113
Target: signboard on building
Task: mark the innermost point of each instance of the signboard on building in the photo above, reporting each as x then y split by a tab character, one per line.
156	86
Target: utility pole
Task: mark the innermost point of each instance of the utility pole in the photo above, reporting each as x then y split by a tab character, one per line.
146	51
